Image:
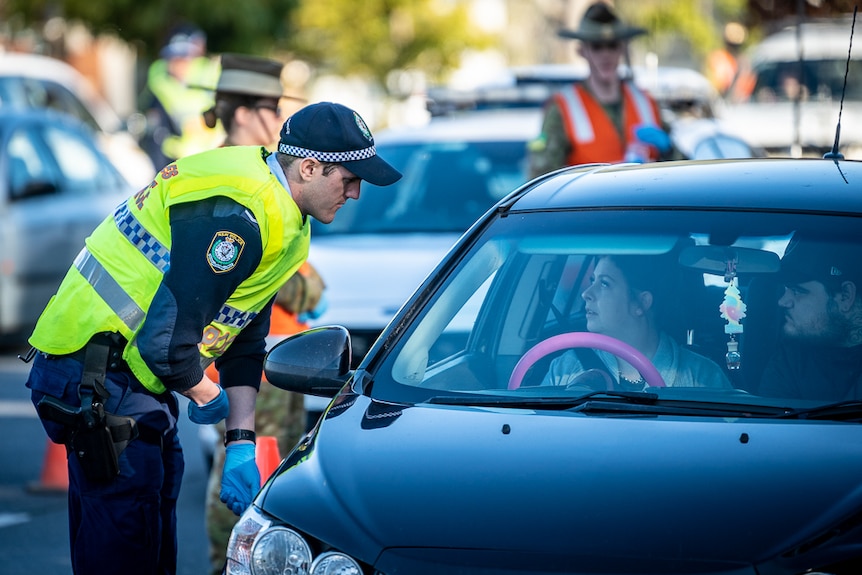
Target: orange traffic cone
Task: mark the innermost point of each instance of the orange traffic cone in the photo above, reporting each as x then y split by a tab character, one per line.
55	470
267	457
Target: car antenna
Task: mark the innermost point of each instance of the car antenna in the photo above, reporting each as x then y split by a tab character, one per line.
835	154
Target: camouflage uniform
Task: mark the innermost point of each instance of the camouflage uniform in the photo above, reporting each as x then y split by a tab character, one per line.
549	150
278	413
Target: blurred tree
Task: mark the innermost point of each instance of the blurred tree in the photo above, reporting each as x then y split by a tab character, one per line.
700	23
249	26
374	37
368	38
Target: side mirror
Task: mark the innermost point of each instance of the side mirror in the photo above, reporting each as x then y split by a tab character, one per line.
314	362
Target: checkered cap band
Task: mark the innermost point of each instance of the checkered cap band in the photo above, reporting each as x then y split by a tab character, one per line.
335	157
137	234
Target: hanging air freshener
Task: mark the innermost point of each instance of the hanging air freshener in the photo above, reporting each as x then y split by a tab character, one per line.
732	310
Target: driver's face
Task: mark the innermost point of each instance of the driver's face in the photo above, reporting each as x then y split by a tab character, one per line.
609	306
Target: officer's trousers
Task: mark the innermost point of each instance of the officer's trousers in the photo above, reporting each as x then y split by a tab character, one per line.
127	525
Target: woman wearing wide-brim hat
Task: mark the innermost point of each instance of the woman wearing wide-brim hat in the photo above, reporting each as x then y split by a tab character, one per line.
250	101
604	118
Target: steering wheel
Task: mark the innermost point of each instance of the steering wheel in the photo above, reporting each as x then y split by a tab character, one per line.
591	340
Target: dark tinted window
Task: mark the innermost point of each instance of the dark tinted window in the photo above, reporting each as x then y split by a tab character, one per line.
445	188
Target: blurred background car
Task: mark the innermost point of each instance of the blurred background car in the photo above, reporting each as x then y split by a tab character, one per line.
788	101
379	248
686	98
35	81
56	185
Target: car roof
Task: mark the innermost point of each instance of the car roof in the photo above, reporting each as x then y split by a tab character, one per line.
531	86
759	184
518	124
10	117
821	40
45	68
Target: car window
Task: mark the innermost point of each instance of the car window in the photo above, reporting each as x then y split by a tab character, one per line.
28	169
814	80
76	158
714	283
445	188
54	96
55	157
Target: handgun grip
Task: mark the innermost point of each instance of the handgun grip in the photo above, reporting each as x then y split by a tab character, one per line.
53	409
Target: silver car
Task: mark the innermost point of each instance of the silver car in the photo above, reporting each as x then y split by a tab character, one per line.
55	187
36	81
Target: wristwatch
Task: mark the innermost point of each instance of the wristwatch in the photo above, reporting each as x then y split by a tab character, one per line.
239	435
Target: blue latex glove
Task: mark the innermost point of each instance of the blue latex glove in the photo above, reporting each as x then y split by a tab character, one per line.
318	310
654	136
212	412
240	478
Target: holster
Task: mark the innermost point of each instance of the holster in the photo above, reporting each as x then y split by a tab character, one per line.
94	436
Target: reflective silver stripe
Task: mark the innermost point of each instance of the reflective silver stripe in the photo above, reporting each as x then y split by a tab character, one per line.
109	290
642	105
234	317
581	125
138	236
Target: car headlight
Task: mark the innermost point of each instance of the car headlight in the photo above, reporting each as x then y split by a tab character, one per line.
334	563
256	547
280	551
259	547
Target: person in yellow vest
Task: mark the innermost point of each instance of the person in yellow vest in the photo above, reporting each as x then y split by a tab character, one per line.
605	118
180	275
174	98
250	103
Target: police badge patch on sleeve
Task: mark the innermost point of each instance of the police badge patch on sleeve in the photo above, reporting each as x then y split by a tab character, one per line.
224	251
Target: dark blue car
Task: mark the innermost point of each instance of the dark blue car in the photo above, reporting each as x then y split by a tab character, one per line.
612	372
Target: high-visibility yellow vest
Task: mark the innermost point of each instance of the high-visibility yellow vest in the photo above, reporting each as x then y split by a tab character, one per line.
185	102
115	277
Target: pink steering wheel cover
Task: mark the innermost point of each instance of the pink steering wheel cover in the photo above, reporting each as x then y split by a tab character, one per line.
586	339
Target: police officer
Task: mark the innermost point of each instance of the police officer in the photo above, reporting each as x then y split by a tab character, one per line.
604	118
174	98
182	274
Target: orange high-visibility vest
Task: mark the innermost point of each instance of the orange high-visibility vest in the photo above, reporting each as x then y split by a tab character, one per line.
593	135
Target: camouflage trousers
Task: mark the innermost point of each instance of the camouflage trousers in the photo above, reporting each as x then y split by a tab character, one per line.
278	413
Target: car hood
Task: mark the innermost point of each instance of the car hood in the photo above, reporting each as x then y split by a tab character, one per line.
634	493
773	125
369	277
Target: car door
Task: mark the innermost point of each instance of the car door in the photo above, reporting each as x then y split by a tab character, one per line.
57	187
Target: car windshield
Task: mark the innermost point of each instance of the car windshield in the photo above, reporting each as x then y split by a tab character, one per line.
445	188
703	291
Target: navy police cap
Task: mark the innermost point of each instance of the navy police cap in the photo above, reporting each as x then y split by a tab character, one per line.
330	132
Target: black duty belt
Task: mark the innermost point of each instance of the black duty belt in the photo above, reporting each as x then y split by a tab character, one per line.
116	344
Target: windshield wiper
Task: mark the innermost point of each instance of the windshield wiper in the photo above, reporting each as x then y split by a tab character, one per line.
621	402
850	410
559	402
